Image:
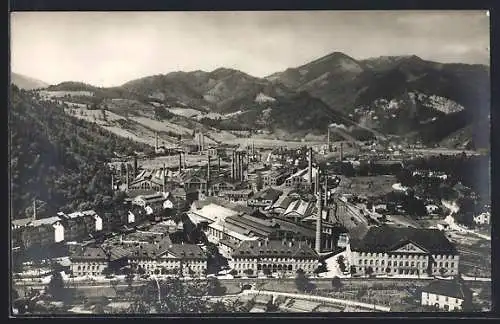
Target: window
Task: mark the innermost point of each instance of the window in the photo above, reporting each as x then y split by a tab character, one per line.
452	264
389	263
440	263
446	298
412	263
371	262
360	262
383	262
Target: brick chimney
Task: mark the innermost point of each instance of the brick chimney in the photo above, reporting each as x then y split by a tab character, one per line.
317	245
309	169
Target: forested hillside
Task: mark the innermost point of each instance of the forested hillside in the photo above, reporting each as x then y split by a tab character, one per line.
58	159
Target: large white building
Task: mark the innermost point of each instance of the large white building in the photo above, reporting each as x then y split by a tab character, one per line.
274	256
395	251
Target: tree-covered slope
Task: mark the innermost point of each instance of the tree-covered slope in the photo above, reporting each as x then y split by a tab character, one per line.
57	159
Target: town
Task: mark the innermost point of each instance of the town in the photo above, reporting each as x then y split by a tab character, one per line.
312	219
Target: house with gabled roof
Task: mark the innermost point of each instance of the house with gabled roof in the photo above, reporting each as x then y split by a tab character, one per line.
447	295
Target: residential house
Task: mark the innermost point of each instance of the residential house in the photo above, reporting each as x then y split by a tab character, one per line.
43	232
79	225
447	295
483	218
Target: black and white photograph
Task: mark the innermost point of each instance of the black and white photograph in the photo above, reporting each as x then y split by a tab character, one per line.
242	162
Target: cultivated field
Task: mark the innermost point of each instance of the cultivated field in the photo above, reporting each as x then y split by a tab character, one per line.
377	185
185	112
60	94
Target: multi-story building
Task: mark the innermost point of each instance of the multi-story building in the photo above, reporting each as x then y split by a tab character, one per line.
274	177
265	198
240	196
79	225
43	232
164	257
447	295
393	251
300	179
88	261
274	256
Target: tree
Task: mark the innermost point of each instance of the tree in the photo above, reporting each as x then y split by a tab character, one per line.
129	279
369	270
214	287
233	272
56	286
442	271
336	283
266	271
388	270
248	272
301	281
353	270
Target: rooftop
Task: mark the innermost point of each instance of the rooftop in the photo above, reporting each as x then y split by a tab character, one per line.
89	253
450	288
268	194
45	221
384	238
275	248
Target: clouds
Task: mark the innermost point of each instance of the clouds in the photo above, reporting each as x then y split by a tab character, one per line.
112	48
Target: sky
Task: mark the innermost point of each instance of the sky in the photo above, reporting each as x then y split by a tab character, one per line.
111	48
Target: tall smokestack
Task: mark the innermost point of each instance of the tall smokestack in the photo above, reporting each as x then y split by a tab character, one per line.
180	162
237	165
34	209
127	177
341	151
164	178
317	246
232	166
156	141
136	168
316	181
202	141
329	148
309	169
326	189
218	164
112	181
208	174
242	157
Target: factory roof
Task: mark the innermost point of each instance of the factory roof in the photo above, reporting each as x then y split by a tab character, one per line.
212	212
385	239
274	248
299	207
239	233
268	194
